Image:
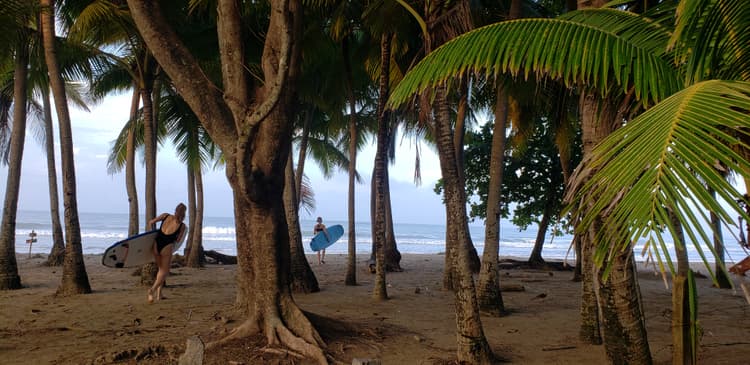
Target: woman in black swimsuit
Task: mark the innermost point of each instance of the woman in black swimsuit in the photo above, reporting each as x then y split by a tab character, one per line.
171	231
320	227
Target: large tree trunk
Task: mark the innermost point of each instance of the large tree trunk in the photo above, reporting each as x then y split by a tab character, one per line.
252	126
130	184
304	138
351	267
57	254
472	344
379	290
622	325
196	258
488	292
74	278
303	278
9	278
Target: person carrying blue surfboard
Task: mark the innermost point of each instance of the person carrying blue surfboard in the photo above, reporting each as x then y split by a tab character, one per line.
320	227
171	231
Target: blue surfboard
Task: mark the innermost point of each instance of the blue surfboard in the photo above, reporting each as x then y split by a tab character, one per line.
320	241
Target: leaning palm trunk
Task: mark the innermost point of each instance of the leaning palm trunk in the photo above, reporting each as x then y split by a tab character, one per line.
391	255
472	344
57	254
303	278
722	280
351	277
74	279
9	278
191	210
488	291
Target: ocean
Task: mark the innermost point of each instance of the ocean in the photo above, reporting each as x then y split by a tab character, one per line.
101	230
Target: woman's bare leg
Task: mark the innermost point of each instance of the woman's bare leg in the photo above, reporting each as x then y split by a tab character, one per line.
163	261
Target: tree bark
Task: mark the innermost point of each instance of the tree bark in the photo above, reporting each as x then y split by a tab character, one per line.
302	156
303	278
722	280
488	292
535	259
253	127
9	277
57	254
149	151
74	279
130	184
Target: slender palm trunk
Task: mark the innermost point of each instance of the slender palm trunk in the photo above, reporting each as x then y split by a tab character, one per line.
74	279
722	281
130	184
391	254
304	138
535	259
191	210
196	258
149	150
488	292
379	291
9	278
303	278
683	344
351	278
57	254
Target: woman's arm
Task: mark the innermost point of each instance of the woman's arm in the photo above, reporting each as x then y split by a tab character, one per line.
161	217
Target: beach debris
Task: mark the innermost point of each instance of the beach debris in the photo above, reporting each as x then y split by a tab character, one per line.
417	290
357	361
541	296
418	338
193	352
558	347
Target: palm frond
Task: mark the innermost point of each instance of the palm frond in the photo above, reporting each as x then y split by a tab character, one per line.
663	160
600	48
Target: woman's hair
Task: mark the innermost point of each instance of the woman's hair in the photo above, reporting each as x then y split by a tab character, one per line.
319	220
179	212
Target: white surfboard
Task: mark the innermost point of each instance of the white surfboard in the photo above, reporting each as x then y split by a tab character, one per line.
132	251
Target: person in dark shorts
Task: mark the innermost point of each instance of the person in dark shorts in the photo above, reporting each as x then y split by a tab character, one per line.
320	227
171	232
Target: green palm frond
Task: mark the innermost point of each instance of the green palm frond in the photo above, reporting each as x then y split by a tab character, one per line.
664	159
713	36
598	48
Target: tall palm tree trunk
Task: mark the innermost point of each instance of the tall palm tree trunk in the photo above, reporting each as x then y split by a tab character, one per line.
351	278
303	278
191	210
9	278
130	184
57	254
488	292
379	291
722	281
74	279
535	259
304	138
472	344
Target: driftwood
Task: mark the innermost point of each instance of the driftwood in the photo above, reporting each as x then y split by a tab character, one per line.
511	287
221	258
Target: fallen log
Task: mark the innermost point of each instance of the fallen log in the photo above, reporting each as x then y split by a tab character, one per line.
221	258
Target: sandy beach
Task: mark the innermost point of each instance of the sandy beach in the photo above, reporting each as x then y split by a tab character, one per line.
115	324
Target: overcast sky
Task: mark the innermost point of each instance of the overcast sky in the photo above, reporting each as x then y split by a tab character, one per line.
93	133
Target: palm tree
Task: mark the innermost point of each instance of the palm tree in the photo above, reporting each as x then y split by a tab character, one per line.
74	280
9	278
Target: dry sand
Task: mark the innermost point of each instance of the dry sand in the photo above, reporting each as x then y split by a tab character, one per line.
114	324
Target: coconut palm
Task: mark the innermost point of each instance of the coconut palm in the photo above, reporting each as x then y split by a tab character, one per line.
19	39
74	279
